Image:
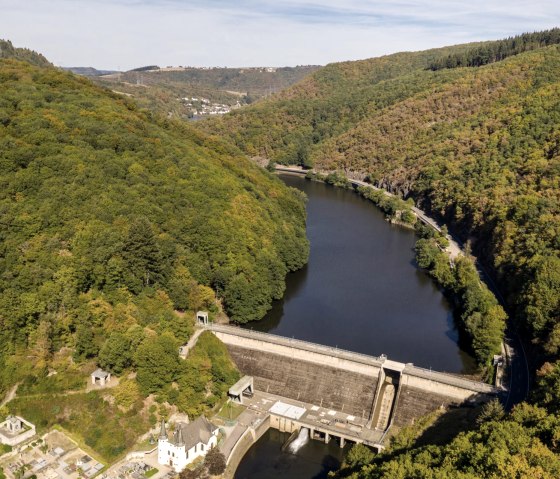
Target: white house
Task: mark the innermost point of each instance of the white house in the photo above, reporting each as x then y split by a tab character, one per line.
189	441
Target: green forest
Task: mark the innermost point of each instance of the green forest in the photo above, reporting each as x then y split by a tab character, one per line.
115	226
478	147
497	51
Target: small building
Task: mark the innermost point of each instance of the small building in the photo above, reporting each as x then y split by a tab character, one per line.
100	377
243	387
14	430
202	318
188	442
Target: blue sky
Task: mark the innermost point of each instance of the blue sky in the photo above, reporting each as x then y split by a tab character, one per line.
123	34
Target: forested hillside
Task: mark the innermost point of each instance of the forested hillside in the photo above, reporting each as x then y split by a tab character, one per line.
112	219
7	50
476	146
255	81
290	125
497	51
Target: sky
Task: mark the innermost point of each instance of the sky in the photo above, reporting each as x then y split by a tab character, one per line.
125	34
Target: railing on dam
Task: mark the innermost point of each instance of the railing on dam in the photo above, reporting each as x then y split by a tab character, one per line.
410	369
297	343
450	379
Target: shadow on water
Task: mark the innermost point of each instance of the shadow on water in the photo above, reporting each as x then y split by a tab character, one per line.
453	331
294	284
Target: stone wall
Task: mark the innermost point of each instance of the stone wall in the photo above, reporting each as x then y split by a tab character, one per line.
12	439
307	381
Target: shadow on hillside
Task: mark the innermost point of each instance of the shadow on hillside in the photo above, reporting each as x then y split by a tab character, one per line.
448	425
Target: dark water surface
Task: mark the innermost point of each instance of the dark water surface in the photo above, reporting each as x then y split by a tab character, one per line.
361	290
267	460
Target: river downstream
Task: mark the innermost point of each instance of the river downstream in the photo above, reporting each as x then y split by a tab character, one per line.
360	291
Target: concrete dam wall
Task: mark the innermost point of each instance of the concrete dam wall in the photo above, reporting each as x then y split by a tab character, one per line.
307	381
384	392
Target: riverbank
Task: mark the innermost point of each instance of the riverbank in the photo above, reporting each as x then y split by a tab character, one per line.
454	249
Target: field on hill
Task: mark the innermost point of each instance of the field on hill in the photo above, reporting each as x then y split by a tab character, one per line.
180	92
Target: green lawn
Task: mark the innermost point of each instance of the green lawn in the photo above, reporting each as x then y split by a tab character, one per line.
92	421
230	411
152	472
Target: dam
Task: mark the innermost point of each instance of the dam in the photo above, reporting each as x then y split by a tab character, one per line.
337	393
360	291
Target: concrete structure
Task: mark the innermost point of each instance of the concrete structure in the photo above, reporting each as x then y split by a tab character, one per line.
100	377
15	430
188	442
202	318
375	390
242	387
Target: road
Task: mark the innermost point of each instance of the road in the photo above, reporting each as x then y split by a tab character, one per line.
519	373
454	249
192	341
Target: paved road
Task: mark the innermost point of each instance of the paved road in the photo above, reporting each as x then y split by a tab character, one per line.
520	375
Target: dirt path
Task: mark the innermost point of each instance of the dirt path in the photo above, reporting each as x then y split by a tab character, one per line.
10	395
194	338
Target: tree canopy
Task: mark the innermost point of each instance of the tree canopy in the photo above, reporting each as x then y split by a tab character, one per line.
112	218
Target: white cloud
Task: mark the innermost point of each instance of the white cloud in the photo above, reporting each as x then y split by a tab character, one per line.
129	33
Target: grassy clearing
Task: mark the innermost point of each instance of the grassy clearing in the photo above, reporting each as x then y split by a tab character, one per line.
93	422
230	411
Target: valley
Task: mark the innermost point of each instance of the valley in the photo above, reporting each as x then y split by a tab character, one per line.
130	235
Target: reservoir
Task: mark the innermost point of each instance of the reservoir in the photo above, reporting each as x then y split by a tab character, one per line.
361	289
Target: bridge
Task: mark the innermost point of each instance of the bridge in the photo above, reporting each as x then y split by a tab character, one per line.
366	395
